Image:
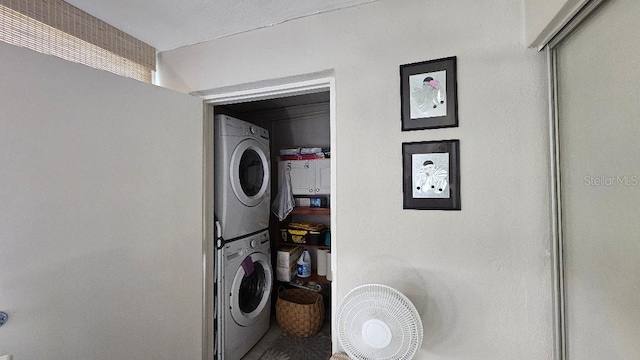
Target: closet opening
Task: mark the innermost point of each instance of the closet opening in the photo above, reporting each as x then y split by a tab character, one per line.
300	129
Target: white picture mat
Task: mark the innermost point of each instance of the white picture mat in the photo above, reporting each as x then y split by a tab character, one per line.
440	161
415	84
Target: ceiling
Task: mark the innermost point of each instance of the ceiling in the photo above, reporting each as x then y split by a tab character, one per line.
169	24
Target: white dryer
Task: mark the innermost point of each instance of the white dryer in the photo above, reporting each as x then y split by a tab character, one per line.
242	173
245	294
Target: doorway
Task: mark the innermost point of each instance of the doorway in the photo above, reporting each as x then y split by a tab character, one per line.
307	99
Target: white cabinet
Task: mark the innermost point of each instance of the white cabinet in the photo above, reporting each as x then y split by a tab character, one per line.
308	177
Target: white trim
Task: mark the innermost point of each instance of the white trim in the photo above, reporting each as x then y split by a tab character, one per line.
209	253
291	86
268	89
334	215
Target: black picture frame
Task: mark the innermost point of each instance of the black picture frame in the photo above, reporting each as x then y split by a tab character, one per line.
431	175
421	87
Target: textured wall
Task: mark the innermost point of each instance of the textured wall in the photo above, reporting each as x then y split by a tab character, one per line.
480	277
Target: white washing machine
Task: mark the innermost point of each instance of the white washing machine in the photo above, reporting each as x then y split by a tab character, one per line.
245	294
242	173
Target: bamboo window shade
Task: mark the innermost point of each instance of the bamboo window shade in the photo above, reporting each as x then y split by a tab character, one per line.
57	28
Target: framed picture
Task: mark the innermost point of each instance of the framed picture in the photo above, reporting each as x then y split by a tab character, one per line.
431	175
428	94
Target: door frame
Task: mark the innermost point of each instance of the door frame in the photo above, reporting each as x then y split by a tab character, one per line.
557	241
262	90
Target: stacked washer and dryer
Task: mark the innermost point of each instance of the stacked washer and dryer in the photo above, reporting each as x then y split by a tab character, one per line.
242	209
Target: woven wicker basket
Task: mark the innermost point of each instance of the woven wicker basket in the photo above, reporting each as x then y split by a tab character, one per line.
299	312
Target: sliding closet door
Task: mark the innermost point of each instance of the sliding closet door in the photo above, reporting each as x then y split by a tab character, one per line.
598	74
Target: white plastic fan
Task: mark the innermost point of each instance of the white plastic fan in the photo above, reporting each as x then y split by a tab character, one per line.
378	322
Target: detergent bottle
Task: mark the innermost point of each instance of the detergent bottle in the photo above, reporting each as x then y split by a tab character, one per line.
304	264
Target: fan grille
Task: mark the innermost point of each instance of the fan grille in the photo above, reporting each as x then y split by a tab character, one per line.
385	304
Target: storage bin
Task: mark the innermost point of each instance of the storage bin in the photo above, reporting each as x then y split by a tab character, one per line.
299	312
302	236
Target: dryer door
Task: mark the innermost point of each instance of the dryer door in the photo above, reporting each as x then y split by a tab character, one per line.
249	175
250	292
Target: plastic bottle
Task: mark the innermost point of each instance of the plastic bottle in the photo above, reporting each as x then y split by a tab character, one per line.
304	264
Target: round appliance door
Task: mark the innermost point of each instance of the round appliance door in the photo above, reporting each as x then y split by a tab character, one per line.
250	172
250	293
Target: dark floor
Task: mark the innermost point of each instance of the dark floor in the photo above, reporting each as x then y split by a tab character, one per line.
272	334
269	338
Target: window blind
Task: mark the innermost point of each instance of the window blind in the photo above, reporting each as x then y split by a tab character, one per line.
57	28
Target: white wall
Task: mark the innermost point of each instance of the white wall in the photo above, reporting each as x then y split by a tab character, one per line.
480	277
100	214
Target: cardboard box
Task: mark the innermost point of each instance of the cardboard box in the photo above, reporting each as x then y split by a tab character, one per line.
302	202
286	273
288	255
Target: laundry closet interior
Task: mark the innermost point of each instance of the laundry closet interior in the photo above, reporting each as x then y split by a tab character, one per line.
298	128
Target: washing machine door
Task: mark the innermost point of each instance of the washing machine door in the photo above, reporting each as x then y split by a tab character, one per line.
249	175
250	292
